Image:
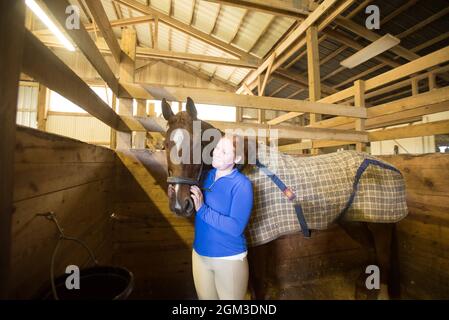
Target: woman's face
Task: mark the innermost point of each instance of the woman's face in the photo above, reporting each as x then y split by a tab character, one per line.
223	156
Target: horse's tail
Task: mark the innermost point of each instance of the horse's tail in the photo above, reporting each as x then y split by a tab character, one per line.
394	281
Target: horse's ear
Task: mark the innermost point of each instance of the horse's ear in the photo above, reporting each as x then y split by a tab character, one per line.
190	108
167	112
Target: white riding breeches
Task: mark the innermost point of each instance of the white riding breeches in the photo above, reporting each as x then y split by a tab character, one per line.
219	279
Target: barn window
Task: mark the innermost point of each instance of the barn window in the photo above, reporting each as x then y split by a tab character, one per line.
58	103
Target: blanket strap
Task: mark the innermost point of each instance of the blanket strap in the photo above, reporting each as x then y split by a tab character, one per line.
288	192
365	164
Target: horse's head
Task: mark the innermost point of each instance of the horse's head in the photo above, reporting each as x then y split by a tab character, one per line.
182	174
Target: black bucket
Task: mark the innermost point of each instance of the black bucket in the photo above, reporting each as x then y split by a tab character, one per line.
96	283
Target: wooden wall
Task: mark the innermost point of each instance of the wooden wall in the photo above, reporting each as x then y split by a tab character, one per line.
424	235
148	238
71	178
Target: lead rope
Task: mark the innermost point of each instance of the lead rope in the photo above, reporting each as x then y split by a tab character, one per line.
52	217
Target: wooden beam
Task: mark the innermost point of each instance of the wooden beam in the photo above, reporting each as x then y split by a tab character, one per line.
313	67
185	56
290	8
42	107
127	70
371	36
149	53
293	132
102	21
423	23
282	87
415	88
156	33
115	23
313	71
390	108
423	63
200	74
417	130
174	23
359	102
207	96
83	40
291	38
12	27
38	61
294	44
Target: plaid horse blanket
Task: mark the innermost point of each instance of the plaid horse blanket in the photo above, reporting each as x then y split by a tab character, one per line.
347	184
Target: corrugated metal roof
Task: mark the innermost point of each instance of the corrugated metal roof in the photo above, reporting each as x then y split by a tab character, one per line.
230	24
402	22
258	32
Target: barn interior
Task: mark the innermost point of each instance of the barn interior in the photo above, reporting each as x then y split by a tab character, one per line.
82	129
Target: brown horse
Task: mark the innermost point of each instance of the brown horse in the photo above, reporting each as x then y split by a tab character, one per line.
377	238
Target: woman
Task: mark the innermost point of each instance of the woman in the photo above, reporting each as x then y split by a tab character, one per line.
219	255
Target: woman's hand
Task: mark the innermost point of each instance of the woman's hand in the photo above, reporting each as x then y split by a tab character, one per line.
197	197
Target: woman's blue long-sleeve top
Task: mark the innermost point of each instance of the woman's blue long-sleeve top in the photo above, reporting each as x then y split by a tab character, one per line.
221	221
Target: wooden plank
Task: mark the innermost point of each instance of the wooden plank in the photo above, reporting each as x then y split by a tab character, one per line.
12	26
313	72
185	56
291	132
359	102
425	62
127	71
102	21
291	9
202	75
42	107
83	40
420	100
134	162
38	59
140	137
143	91
417	130
38	147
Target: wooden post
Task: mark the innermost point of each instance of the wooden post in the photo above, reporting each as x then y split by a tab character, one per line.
415	86
432	81
359	101
12	27
127	67
156	32
151	110
140	137
260	112
238	114
42	107
313	74
113	142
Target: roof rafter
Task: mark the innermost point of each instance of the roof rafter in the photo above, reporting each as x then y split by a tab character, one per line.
174	23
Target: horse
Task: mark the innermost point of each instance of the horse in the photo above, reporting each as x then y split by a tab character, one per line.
376	234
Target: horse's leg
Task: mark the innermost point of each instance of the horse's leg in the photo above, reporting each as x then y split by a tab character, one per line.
383	234
258	262
359	232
